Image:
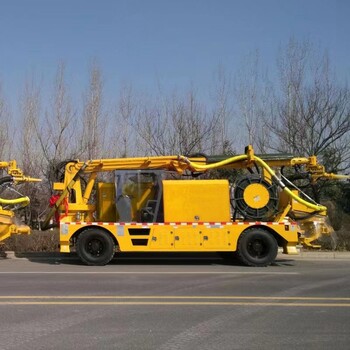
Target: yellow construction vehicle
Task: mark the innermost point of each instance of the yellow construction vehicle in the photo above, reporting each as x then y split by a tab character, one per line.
170	204
9	223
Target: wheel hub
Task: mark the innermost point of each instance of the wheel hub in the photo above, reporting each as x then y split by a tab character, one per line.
257	248
95	247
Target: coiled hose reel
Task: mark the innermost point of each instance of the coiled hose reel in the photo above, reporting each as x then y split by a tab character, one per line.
255	198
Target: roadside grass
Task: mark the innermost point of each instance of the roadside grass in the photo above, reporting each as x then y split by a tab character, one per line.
37	241
342	236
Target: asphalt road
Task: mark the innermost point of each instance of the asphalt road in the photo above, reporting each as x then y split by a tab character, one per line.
174	303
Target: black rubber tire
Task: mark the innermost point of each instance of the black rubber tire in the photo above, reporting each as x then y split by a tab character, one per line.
95	247
257	247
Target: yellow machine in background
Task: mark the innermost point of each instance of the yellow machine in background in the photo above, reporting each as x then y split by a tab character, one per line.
9	224
172	204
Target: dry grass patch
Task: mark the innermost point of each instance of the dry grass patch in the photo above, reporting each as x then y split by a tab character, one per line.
37	241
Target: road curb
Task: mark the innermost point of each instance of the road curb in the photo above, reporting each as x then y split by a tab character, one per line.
320	255
303	255
38	255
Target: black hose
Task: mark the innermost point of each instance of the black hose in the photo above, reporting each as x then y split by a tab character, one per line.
56	171
304	217
47	227
6	179
197	155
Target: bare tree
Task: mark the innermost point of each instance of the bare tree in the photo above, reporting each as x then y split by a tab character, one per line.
253	96
56	131
93	119
5	116
222	113
30	154
178	125
123	137
312	111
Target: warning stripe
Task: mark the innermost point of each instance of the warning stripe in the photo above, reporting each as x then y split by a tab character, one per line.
146	224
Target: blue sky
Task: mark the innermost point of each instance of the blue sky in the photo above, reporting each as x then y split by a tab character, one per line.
175	42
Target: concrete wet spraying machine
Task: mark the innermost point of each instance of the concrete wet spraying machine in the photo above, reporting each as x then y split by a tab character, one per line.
183	204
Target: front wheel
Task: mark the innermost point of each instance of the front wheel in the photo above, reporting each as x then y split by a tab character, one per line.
95	247
257	247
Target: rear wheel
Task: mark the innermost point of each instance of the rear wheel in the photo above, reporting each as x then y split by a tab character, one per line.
257	247
95	247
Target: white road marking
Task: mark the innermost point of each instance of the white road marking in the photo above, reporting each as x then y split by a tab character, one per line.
147	273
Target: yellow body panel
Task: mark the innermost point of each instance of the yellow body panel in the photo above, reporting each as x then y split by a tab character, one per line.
196	200
180	237
106	210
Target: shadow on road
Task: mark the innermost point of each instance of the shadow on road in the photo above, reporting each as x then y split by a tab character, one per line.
146	259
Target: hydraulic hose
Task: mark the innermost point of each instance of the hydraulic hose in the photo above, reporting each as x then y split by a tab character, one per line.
22	200
200	167
316	207
6	180
279	182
